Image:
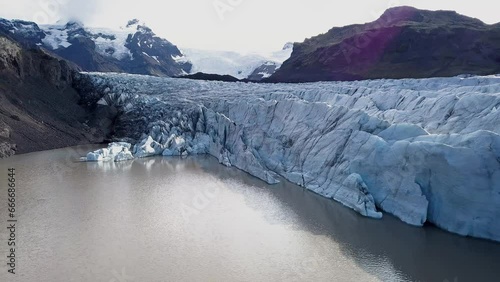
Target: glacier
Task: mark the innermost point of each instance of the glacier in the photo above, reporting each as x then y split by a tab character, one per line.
423	150
239	65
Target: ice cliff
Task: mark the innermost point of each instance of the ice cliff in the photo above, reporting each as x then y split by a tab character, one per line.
423	150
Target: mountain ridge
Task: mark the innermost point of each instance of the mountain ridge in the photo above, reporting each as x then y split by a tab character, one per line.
135	49
404	42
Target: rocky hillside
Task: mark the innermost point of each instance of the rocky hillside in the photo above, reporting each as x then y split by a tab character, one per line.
403	43
38	107
134	48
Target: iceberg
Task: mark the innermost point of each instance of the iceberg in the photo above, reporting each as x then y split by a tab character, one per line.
423	150
116	152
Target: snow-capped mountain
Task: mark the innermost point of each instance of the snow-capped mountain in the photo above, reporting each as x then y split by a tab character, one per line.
252	66
26	33
134	48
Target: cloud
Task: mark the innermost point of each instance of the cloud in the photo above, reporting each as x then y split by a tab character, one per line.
77	10
50	11
195	23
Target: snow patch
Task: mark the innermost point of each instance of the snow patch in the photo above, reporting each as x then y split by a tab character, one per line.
112	43
265	74
55	37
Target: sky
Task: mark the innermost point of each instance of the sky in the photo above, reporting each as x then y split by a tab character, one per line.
232	25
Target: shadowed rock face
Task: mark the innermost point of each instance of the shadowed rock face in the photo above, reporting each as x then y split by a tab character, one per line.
38	107
423	150
154	55
28	34
403	43
210	77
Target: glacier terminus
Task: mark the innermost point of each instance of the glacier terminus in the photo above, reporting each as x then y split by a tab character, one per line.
423	150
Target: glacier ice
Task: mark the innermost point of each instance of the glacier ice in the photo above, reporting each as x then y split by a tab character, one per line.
116	152
423	150
354	194
148	147
235	64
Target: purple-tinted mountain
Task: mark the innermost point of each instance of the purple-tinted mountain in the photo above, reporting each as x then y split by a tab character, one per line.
403	43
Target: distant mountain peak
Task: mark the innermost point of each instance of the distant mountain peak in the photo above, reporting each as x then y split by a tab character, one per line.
72	25
135	25
134	49
145	29
288	45
132	22
399	9
404	42
400	14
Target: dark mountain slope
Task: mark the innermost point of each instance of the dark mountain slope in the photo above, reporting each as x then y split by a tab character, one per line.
38	107
403	43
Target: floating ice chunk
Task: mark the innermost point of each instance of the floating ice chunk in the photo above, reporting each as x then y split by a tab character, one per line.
99	155
118	147
116	152
125	155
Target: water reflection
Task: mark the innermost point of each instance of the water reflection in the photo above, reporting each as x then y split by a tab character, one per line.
195	220
384	248
417	254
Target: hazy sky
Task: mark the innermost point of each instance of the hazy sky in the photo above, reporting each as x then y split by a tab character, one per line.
240	25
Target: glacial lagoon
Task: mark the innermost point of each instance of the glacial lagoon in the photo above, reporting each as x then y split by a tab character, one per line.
192	219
